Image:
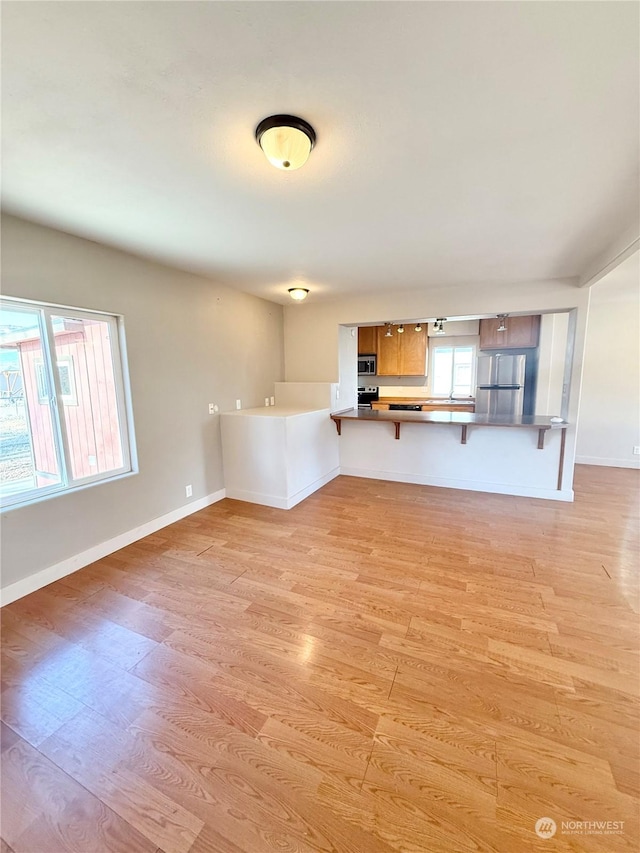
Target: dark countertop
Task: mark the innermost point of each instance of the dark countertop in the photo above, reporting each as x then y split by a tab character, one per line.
460	418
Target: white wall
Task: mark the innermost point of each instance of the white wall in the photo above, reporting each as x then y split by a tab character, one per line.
609	425
347	368
551	363
455	328
189	341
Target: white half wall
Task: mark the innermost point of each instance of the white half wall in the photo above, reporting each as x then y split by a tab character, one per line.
609	424
278	456
495	459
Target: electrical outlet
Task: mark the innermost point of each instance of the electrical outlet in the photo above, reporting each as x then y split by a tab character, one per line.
212	408
273	401
266	401
238	404
188	491
216	409
636	450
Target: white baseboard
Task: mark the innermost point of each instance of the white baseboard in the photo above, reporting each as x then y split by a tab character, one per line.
313	487
278	502
608	463
257	498
466	485
67	567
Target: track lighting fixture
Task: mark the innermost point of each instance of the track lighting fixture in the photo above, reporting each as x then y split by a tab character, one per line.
418	327
388	333
400	329
438	326
503	322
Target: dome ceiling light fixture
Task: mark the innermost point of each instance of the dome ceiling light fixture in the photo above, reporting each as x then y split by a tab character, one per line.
286	141
298	293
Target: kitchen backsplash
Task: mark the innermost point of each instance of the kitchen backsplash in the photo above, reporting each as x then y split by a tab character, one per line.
389	390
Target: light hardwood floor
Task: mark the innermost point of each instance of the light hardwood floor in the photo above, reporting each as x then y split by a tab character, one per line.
385	667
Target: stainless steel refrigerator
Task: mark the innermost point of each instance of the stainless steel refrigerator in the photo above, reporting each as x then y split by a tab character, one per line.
500	384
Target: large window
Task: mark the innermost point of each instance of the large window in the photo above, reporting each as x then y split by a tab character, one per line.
452	371
63	413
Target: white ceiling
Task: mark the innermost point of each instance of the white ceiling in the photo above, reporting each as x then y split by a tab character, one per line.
457	142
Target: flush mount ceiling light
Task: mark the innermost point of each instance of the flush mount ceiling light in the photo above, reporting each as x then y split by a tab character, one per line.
298	293
286	141
388	333
503	324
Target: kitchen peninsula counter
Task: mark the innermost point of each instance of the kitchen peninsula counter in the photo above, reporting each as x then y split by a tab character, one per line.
502	452
460	418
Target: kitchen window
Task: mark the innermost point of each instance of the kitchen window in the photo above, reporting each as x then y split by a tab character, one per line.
452	370
64	417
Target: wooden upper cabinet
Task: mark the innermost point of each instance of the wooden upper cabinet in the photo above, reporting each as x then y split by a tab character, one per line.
367	340
413	352
521	332
388	353
402	355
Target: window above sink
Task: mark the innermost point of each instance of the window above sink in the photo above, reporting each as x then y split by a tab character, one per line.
453	371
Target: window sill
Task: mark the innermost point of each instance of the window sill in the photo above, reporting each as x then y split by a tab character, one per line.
5	508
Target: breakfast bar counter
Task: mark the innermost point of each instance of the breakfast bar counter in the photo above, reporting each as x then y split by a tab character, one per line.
461	419
464	421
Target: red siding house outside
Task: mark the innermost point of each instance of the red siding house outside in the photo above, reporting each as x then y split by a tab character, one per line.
83	355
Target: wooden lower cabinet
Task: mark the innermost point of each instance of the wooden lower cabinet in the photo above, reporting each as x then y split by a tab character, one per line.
448	408
428	407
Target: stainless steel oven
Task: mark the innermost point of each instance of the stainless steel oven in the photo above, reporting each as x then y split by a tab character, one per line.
366	365
366	396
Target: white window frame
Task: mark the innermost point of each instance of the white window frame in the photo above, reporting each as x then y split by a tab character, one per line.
454	347
57	401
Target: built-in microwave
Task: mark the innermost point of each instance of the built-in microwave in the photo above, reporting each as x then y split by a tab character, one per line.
366	365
